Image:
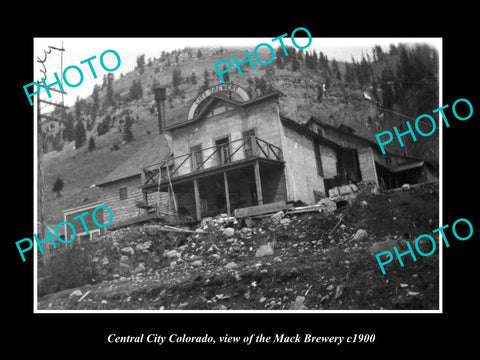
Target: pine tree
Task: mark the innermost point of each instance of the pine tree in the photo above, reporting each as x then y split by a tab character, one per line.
80	135
58	186
95	98
176	80
91	144
109	96
336	70
127	135
206	82
68	134
135	92
280	58
295	64
193	78
141	63
319	92
226	75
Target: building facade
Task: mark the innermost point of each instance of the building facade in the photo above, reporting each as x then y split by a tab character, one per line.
234	152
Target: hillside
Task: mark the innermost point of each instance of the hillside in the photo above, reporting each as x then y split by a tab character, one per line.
317	261
342	102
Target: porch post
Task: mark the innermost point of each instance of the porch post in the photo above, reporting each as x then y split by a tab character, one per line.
198	205
258	182
227	192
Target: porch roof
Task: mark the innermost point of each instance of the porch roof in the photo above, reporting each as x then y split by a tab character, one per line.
202	173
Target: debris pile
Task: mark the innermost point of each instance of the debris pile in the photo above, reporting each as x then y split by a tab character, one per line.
320	258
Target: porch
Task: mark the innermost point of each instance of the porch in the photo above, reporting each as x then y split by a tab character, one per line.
218	179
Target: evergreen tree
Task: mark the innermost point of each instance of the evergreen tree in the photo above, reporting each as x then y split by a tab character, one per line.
295	64
91	144
319	92
300	55
314	58
280	58
109	95
349	72
336	70
127	135
193	78
206	82
176	80
309	61
135	92
269	72
80	134
226	75
141	63
58	186
68	134
95	98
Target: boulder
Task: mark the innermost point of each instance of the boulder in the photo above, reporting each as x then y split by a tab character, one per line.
360	235
140	267
277	216
228	232
143	246
285	221
298	304
128	251
327	205
333	192
197	263
345	190
76	293
264	250
231	265
172	254
386	245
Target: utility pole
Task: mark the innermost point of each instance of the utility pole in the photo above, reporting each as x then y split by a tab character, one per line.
41	233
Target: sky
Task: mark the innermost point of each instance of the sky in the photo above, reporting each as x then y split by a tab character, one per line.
79	49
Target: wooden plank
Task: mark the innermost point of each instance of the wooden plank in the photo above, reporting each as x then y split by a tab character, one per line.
227	193
136	220
258	183
260	209
198	205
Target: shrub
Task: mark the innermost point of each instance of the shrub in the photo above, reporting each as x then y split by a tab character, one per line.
68	268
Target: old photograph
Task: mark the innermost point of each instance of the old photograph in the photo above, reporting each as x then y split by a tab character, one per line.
288	174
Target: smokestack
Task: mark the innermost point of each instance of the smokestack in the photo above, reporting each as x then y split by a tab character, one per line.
160	96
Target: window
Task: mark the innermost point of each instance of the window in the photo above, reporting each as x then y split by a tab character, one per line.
197	157
318	158
223	150
249	143
123	193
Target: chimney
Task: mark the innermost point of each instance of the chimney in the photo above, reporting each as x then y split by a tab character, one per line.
160	96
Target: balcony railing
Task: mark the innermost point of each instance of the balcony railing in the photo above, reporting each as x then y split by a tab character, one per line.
211	157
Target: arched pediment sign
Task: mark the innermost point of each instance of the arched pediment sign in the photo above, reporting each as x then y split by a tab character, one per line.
216	89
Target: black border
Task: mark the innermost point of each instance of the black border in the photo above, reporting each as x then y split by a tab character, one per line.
409	334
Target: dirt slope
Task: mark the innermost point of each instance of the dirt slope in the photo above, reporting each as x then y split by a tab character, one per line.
312	267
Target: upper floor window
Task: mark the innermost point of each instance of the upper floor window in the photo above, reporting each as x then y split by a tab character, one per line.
123	193
249	142
223	150
197	157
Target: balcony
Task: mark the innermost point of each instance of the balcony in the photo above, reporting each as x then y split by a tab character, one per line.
222	156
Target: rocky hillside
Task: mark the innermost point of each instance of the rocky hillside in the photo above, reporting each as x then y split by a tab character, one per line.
313	260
